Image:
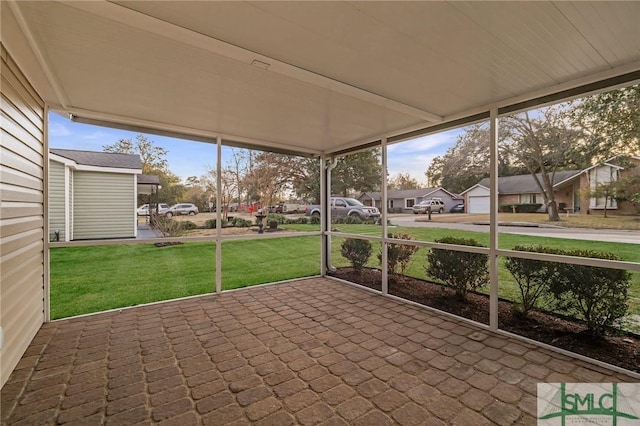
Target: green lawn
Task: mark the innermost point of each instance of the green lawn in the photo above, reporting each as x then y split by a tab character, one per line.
97	278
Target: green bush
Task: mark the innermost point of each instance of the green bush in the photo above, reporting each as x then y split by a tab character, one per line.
532	276
356	251
187	224
211	223
597	295
301	220
315	220
280	218
348	220
520	208
463	271
398	255
239	222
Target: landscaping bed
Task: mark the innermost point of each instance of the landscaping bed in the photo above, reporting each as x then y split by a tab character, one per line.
623	350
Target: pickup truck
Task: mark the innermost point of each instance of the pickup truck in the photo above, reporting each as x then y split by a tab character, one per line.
342	206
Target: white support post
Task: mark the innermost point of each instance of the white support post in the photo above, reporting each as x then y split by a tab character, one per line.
219	216
46	230
383	218
493	220
323	227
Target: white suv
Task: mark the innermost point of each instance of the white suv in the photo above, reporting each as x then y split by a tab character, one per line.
183	208
436	205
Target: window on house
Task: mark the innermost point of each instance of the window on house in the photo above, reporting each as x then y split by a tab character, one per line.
390	204
409	202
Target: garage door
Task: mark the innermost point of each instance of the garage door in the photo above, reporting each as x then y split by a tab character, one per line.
479	204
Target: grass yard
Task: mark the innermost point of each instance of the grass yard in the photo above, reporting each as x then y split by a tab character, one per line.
98	278
592	221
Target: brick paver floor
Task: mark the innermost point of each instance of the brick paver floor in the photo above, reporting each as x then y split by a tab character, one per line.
313	351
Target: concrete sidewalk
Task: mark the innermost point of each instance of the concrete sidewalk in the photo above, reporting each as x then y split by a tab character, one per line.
312	351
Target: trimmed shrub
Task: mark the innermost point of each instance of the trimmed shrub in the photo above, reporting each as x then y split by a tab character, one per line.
532	276
595	294
398	255
356	251
239	222
463	271
315	220
280	218
520	208
187	224
348	220
211	223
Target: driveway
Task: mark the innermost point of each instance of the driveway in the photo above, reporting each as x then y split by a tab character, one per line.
609	235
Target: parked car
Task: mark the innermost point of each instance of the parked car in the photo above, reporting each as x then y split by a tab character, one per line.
143	210
458	208
182	208
342	206
436	205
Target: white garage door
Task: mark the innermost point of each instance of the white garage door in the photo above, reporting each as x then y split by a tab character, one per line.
479	204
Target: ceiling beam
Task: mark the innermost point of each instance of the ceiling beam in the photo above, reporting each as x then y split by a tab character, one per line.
162	28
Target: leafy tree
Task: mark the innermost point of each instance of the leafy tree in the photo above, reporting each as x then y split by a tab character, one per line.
153	157
608	191
467	162
403	181
629	190
611	119
543	142
359	172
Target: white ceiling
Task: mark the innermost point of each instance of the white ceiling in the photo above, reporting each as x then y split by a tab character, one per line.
340	74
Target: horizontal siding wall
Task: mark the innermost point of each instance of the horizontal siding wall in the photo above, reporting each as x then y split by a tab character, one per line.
56	199
22	257
103	205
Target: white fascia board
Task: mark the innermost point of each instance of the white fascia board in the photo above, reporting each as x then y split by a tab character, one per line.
67	162
84	168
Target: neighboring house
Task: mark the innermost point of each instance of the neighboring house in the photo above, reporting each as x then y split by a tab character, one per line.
402	200
522	189
604	173
92	195
569	187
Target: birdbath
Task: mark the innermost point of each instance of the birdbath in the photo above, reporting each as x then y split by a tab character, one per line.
260	217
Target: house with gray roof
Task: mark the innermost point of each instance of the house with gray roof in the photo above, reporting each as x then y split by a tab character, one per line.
569	188
402	200
92	195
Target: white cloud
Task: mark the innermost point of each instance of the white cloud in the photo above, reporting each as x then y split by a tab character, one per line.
57	129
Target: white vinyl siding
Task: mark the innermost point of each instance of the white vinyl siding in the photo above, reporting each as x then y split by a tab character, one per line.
21	214
103	205
57	195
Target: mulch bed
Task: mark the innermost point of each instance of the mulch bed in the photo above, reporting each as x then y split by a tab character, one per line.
623	350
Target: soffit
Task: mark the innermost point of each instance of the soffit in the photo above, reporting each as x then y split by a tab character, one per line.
340	74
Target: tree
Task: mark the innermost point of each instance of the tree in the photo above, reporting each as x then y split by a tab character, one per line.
608	191
467	162
153	157
543	142
360	172
611	119
403	181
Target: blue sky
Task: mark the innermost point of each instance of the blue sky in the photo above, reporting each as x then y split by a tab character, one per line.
188	158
